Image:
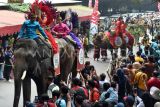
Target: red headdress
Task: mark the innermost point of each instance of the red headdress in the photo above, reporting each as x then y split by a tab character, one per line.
45	7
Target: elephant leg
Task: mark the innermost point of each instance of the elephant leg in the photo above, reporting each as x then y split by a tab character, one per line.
131	49
26	90
40	88
111	50
67	67
17	91
123	51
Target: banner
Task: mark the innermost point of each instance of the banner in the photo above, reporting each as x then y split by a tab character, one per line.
90	4
80	59
94	22
158	6
56	62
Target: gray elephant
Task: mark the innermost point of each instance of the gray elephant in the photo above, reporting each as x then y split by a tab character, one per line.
34	61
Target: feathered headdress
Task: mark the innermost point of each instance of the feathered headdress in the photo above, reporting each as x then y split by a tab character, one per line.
43	7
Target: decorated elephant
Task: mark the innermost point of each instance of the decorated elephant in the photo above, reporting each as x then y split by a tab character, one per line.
122	41
116	39
34	61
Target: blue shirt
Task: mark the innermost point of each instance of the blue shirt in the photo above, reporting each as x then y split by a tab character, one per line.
113	97
29	28
62	103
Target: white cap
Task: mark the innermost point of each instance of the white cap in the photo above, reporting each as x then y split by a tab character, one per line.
157	104
155	93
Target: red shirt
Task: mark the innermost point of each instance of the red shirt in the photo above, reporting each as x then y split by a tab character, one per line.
153	81
94	95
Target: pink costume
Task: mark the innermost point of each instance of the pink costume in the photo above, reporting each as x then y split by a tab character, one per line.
62	29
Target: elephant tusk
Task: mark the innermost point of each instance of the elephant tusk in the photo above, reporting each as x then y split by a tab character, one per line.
24	75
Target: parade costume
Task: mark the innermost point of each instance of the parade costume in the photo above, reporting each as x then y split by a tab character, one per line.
46	14
62	29
74	37
29	28
70	21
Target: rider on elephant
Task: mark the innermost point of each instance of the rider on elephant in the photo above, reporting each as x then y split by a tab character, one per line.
61	30
29	30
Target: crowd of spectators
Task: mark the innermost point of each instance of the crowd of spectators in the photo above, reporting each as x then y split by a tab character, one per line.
135	83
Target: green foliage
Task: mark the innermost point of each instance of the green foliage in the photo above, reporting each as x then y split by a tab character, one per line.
19	7
137	1
136	31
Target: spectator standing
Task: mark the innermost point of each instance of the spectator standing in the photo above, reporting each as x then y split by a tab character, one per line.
131	74
94	92
1	65
101	82
106	86
150	66
123	85
78	101
113	94
138	57
52	87
140	80
62	100
154	81
147	100
8	63
129	101
86	70
85	45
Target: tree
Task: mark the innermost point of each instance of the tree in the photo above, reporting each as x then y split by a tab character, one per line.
116	5
137	1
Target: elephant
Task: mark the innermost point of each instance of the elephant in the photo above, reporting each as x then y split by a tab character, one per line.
35	60
107	39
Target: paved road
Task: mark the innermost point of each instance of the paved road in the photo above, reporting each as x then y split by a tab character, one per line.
7	88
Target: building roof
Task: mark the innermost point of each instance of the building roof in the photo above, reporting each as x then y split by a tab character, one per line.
10	22
55	1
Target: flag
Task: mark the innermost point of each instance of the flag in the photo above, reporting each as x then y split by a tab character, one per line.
94	22
90	3
158	6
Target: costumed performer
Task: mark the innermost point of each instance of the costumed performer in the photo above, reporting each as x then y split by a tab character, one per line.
61	30
28	29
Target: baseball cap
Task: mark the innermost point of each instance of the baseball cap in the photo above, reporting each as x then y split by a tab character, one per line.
155	93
